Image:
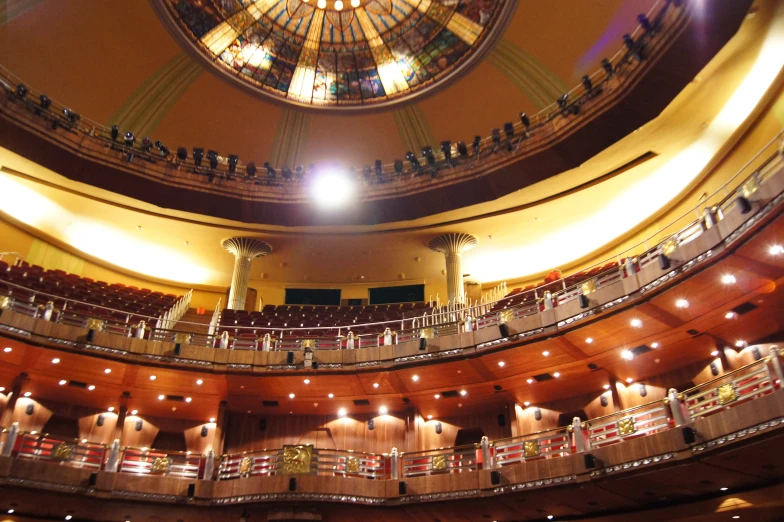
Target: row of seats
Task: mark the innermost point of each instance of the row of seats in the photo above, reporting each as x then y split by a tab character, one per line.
131	303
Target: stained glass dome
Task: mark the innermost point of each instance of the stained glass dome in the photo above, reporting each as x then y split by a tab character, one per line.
340	53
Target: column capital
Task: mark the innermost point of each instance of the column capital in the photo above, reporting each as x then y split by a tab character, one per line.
452	243
249	247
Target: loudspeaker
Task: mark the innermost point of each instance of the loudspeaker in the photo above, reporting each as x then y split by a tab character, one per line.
756	353
314	365
101	418
402	487
292	484
438	428
743	204
204	431
584	303
664	262
501	420
504	329
422	344
263	425
689	435
537	414
590	461
603	400
90	336
177	349
30	409
139	424
93	479
714	369
371	424
290	358
191	489
642	389
495	477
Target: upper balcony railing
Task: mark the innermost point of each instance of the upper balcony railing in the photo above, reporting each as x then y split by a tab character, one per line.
755	380
520	137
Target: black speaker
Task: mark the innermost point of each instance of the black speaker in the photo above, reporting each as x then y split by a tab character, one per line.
371	424
30	409
439	429
191	489
204	431
263	425
402	487
90	336
314	365
714	369
504	329
139	424
93	479
590	461
584	303
501	420
664	262
642	389
743	204
689	435
756	353
537	414
292	484
177	349
495	477
101	418
290	358
422	343
603	400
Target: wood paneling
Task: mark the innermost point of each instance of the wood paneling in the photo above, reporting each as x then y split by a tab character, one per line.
427	438
34	422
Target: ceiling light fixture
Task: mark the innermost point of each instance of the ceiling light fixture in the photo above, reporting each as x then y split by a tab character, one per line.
331	395
728	279
107	370
63	382
740	343
415	378
654	345
375	385
529	380
629	380
606	386
383	410
306	381
212	419
723	489
91	387
437	396
682	303
776	250
188	399
526	404
153	377
8	349
557	374
199	382
27	394
546	353
463	393
56	360
636	323
161	397
332	189
627	355
429	417
110	409
589	340
291	395
501	364
715	353
342	412
134	412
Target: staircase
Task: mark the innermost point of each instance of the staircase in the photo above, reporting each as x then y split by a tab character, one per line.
191	316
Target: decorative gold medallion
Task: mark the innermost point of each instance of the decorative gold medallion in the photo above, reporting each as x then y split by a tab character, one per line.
62	451
531	448
182	338
669	246
439	462
626	426
352	465
427	333
245	466
160	465
726	393
5	302
308	343
506	315
588	286
296	459
94	323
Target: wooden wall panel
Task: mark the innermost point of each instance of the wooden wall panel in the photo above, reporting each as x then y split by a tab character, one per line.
526	422
244	432
657	387
89	429
198	444
138	439
427	438
34	422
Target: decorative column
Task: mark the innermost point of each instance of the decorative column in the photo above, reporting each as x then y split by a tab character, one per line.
452	245
245	250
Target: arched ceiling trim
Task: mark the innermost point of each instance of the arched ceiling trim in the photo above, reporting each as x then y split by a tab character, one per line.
541	85
152	101
413	128
10	9
291	138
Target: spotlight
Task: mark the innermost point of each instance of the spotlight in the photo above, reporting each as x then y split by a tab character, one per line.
182	153
198	155
427	152
526	122
163	149
608	68
644	23
250	168
271	173
129	139
446	148
587	83
71	116
411	157
115	132
146	144
299	172
398	166
496	134
45	101
379	168
366	172
462	149
477	145
628	41
21	91
212	157
233	159
563	102
286	172
509	130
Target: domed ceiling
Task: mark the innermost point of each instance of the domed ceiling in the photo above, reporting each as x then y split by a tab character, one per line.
331	53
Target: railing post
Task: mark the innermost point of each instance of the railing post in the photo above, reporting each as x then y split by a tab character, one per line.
469	324
774	361
48	311
487	462
676	408
209	465
140	329
114	456
548	300
10	440
387	337
394	464
224	340
579	436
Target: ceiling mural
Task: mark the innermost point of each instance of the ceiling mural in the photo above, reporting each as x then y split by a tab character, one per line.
339	53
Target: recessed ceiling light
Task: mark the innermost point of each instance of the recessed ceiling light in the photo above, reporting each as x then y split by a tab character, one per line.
723	489
736	516
529	380
545	353
153	377
56	360
776	250
134	412
627	355
2	388
429	417
110	409
375	385
728	279
415	378
740	343
383	410
188	399
682	303
437	396
463	393
342	412
557	374
606	386
27	394
8	349
11	511
630	380
501	364
526	404
729	315
549	517
291	395
161	397
589	340
212	419
331	395
107	370
636	323
306	381
63	382
654	345
91	387
69	517
715	353
199	382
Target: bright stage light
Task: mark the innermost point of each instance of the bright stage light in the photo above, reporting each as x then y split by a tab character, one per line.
332	189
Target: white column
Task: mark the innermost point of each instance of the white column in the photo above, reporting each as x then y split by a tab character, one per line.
245	250
452	245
